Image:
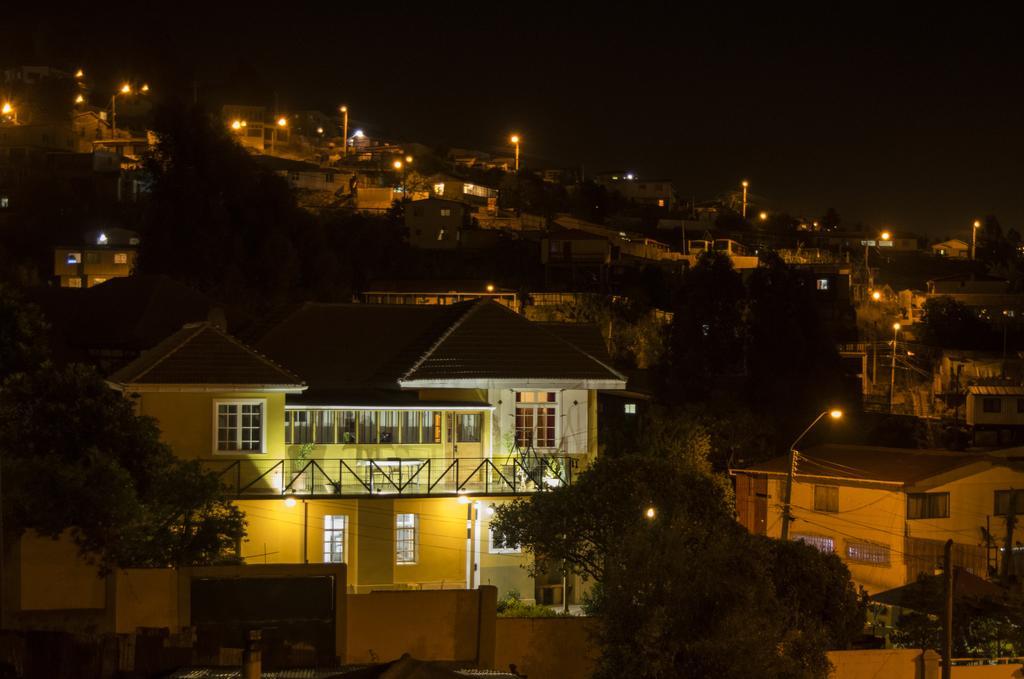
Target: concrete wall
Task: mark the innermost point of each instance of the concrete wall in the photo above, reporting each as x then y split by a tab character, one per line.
888	663
545	647
1012	671
144	597
455	625
53	577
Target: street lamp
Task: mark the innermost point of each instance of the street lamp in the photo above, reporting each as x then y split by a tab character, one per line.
125	89
745	184
650	513
79	99
282	123
892	378
344	128
9	111
886	235
787	517
79	74
876	295
974	238
763	216
515	140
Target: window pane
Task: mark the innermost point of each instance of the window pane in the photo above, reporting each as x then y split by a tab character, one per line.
819	542
334	538
430	426
347	426
867	552
410	426
405	538
389	426
826	499
227	426
367	426
468	430
252	426
325	426
302	430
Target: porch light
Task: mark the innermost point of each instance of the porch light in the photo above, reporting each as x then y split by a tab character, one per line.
464	500
289	501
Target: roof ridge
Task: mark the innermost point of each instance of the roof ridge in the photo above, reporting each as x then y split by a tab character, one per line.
473	306
198	326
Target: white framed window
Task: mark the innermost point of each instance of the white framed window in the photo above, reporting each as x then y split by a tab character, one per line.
536	419
822	543
335	527
498	544
239	426
406	538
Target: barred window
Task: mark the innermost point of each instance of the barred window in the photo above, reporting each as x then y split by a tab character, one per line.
405	538
867	552
820	542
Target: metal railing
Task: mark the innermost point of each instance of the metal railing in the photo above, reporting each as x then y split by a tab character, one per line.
404	477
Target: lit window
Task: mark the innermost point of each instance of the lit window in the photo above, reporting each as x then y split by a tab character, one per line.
826	498
120	258
298	427
819	542
347	426
992	405
661	202
928	505
239	426
324	425
868	552
97	280
75	282
367	426
467	428
74	258
430	426
630	408
439	188
822	284
405	538
334	538
5	202
389	426
536	415
497	543
446	212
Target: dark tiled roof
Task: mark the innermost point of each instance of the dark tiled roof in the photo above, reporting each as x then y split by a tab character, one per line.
356	346
201	353
868	463
492	342
584	336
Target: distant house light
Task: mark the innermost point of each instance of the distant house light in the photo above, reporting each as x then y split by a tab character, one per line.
358	134
630	408
630	176
101	239
74	258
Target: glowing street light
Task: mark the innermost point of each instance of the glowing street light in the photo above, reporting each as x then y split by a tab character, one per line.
282	122
763	216
876	295
650	513
344	127
745	184
319	130
397	165
974	237
125	89
787	517
238	124
79	99
79	74
886	235
515	140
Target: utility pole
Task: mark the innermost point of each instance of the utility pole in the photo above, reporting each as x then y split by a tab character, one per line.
344	131
892	377
974	239
787	516
947	618
745	184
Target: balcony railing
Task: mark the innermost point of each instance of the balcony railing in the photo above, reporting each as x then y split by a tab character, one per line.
403	477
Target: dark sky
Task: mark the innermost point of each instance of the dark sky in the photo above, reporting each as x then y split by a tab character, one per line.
909	121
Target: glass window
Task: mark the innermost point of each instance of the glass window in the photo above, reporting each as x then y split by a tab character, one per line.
536	415
75	282
74	258
410	426
389	426
446	212
334	538
325	420
867	552
367	426
302	430
819	542
928	505
992	405
405	538
499	544
120	258
468	428
430	426
1002	502
239	426
346	426
826	498
822	284
629	408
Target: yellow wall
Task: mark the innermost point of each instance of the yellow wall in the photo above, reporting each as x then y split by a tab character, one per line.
971	502
546	647
146	597
54	577
186	421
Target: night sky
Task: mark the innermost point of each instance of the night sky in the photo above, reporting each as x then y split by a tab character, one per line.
912	122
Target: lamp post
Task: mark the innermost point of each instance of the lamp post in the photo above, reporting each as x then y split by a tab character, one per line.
282	123
515	141
125	89
787	516
892	377
974	239
745	184
344	129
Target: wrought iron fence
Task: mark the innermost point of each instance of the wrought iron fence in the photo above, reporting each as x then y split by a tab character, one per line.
405	477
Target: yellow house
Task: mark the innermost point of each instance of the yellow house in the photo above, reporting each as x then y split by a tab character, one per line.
400	430
887	512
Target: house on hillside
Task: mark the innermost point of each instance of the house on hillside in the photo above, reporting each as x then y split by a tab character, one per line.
886	512
953	248
380	436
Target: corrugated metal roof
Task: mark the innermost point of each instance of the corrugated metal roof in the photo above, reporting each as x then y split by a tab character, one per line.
985	390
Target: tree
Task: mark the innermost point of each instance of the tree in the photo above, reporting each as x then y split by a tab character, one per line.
23	331
995	248
682	591
950	324
76	458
